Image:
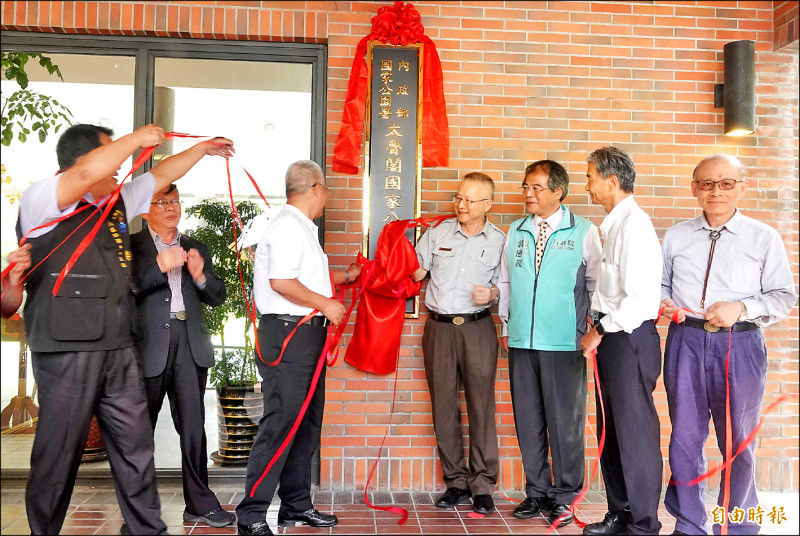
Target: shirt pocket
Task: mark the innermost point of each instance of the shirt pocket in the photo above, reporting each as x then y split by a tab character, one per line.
608	281
443	261
77	312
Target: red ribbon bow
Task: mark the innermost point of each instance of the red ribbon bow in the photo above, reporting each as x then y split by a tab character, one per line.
398	25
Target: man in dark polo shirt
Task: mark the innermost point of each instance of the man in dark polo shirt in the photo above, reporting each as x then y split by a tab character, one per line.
82	346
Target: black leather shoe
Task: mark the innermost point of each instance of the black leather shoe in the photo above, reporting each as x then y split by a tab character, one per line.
532	507
678	533
613	523
259	528
562	514
124	530
483	504
453	497
310	517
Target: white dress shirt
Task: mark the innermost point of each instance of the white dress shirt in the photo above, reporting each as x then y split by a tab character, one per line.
749	265
628	287
591	258
289	249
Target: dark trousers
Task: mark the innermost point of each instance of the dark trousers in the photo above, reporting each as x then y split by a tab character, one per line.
467	352
694	378
285	386
73	386
185	384
628	366
548	392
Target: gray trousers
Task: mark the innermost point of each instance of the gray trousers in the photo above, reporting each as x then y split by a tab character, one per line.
467	352
73	386
548	391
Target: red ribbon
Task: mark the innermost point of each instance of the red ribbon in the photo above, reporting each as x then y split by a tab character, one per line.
108	203
398	25
600	445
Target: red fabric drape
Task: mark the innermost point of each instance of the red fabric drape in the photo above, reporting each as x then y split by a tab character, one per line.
382	305
398	25
381	311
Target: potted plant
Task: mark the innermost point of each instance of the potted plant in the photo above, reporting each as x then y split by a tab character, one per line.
239	401
239	405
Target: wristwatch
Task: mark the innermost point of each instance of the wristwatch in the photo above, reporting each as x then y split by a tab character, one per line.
743	315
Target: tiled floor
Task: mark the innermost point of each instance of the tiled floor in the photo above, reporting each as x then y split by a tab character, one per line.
94	510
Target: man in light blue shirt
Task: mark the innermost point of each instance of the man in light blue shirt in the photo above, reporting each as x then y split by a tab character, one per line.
733	271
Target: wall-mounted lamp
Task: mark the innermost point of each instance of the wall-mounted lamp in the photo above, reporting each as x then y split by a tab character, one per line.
738	94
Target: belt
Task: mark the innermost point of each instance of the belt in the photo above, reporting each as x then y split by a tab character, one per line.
702	324
178	315
459	319
318	320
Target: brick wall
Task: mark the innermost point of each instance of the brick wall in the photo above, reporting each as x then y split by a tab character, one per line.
525	81
785	23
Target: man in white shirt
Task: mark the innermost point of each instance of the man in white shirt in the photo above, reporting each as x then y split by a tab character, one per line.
734	271
626	301
291	279
547	274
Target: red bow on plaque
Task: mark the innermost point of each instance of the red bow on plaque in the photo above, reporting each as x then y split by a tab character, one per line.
398	25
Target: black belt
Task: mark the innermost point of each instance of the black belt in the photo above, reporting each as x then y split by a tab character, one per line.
177	315
702	324
318	320
459	319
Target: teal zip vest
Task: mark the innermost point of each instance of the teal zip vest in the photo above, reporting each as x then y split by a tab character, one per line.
548	311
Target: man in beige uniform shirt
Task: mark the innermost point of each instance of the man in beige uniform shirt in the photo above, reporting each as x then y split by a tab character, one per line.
462	255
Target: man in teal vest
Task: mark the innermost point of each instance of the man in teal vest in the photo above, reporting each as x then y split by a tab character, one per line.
547	272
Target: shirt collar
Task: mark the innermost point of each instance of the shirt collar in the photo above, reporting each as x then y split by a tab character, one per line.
732	225
155	235
309	223
617	213
553	221
457	227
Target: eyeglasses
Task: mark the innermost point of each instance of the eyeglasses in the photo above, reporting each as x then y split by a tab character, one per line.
457	199
525	188
319	184
164	204
724	184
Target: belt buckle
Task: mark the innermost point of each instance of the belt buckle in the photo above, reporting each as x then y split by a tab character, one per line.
711	328
458	320
180	315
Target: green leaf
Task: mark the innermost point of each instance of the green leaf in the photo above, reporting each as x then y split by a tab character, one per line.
42	136
22	137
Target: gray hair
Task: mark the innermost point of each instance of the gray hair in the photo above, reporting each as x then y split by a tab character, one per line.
732	160
557	176
612	161
481	178
302	175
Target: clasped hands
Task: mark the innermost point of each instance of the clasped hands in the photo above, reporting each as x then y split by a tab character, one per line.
177	256
722	314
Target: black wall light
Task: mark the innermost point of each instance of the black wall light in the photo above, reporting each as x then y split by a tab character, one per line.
738	94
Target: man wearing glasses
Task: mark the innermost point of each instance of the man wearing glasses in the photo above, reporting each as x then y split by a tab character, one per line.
734	272
462	255
547	275
173	275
